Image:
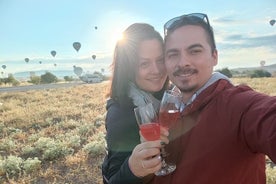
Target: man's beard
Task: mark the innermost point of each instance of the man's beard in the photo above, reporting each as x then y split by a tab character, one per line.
185	71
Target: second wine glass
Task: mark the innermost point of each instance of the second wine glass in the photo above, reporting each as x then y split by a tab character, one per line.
168	114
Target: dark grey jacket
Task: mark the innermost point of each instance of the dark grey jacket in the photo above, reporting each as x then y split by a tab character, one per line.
122	136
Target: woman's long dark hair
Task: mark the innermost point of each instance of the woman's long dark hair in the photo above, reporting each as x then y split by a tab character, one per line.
125	60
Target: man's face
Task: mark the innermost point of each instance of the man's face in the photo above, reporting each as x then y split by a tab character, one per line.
188	58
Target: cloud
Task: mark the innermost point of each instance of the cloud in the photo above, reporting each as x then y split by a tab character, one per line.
244	41
224	20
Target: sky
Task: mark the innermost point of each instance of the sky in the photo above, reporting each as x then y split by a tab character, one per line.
33	28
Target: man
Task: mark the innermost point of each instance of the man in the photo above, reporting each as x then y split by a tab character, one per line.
225	131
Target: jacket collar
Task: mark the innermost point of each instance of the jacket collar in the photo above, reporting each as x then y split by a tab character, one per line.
213	87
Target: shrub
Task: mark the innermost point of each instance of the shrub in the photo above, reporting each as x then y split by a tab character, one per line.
10	79
31	165
260	73
226	72
68	78
51	149
35	79
7	145
48	78
96	147
11	165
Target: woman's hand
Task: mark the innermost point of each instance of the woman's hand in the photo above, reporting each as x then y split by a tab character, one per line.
145	158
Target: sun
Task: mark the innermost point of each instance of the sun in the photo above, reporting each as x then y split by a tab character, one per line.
117	36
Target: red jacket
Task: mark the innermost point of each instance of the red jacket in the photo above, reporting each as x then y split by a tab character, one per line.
223	137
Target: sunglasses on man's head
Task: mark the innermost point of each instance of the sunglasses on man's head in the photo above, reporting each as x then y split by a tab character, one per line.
196	17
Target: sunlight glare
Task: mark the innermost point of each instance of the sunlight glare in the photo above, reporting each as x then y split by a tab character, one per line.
117	36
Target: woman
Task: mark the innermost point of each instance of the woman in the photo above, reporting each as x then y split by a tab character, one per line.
139	77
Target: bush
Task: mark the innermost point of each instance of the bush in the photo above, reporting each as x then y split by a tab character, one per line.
51	149
226	72
96	147
260	73
35	80
31	165
11	166
68	78
48	78
10	79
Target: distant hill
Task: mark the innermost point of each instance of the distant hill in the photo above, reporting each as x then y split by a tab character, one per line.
61	73
269	68
58	73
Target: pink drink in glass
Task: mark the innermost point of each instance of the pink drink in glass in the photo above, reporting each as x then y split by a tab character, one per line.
150	131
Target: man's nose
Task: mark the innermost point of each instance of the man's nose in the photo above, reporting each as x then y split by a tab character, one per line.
184	60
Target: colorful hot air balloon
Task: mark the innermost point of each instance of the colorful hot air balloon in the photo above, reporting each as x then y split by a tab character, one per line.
94	57
272	22
77	46
27	60
40	62
96	27
53	53
4	66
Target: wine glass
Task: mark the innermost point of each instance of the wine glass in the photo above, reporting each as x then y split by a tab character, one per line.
147	120
168	114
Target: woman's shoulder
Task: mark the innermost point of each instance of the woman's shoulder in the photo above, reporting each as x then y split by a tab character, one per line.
114	108
119	116
112	104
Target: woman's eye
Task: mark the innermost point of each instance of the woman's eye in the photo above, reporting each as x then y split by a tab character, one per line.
144	64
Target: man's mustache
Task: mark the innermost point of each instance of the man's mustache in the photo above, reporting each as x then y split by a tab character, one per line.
184	71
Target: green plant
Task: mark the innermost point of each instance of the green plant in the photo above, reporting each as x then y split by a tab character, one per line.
226	72
35	79
97	146
31	165
48	78
11	165
68	78
7	145
51	149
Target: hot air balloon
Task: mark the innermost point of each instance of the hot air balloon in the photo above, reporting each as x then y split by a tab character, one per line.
96	27
94	57
77	46
40	62
262	63
53	53
77	70
4	66
27	60
55	64
272	22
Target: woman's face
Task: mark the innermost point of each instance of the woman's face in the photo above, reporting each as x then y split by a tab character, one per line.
151	73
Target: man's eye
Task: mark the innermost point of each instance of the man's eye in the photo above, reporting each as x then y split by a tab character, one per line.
195	51
173	55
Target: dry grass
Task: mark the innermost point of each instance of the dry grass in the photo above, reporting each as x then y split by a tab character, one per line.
63	128
70	116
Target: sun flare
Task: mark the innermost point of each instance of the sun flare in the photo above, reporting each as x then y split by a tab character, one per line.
116	36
